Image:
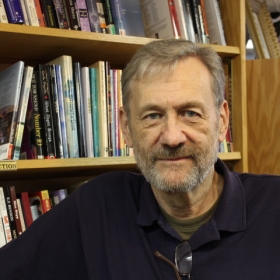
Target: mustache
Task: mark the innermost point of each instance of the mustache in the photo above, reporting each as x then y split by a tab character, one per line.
170	153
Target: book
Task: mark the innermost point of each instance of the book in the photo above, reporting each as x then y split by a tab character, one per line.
181	19
203	20
55	111
24	12
83	15
188	20
174	19
49	14
14	11
39	13
41	200
59	195
66	64
62	120
87	111
108	17
37	116
10	212
196	21
22	110
47	112
94	110
215	24
102	107
93	16
117	18
73	14
25	203
80	111
10	86
161	26
31	12
15	209
131	17
21	217
101	15
4	217
61	14
3	14
2	232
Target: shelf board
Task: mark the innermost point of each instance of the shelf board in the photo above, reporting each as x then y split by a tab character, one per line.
38	44
24	169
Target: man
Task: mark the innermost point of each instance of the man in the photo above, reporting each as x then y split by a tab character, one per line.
187	216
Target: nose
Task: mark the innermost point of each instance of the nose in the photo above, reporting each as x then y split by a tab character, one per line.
172	133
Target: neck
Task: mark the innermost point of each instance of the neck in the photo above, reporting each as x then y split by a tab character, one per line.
194	203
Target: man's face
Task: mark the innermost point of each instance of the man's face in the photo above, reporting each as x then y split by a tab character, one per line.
174	127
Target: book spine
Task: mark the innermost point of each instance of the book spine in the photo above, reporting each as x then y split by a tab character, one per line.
108	17
101	15
87	111
61	14
55	111
117	17
49	13
21	217
24	12
204	20
83	15
94	109
80	110
11	216
4	217
2	232
61	111
25	92
47	120
26	209
31	12
189	20
46	205
3	14
37	115
181	19
196	21
174	19
113	120
116	112
73	15
39	13
15	209
14	11
93	16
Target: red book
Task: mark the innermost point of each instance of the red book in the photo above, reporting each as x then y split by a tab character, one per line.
42	200
39	13
26	209
174	18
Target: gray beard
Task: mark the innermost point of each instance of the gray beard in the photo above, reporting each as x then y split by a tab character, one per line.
203	162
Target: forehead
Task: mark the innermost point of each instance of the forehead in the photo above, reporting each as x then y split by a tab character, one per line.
190	78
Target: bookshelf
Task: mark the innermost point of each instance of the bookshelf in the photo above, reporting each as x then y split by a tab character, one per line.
36	45
263	87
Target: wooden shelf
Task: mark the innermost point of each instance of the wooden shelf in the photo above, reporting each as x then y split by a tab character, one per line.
76	167
37	44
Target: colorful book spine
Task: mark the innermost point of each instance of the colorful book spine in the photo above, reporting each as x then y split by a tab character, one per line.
60	99
42	200
80	110
4	217
87	111
15	209
61	14
101	15
49	13
37	115
14	11
93	16
24	12
94	109
108	17
25	203
24	98
47	117
3	14
31	12
83	15
39	13
73	14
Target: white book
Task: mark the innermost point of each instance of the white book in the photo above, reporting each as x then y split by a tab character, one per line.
2	231
65	61
3	14
160	26
31	12
215	24
24	12
181	19
87	111
4	217
102	109
21	217
22	109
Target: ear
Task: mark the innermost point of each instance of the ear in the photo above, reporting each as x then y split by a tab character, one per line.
224	121
125	127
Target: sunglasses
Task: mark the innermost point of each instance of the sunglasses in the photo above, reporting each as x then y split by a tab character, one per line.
183	260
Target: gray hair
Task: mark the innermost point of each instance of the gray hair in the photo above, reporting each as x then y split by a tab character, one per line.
160	58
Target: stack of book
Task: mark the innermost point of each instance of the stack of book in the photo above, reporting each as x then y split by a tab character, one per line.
18	212
196	20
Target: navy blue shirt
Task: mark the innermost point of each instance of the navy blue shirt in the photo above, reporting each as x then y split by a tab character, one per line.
111	227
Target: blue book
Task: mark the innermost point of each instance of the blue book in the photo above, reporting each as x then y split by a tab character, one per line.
94	109
93	16
14	11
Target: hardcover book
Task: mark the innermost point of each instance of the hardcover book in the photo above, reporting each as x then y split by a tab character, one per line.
61	14
4	217
14	11
83	15
108	17
15	209
25	203
66	64
31	12
3	14
24	12
73	14
22	110
189	20
10	86
59	195
41	200
93	16
49	13
39	13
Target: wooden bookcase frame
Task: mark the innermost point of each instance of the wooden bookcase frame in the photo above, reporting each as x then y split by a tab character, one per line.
36	45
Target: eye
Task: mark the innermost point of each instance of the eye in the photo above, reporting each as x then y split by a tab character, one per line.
190	113
153	116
